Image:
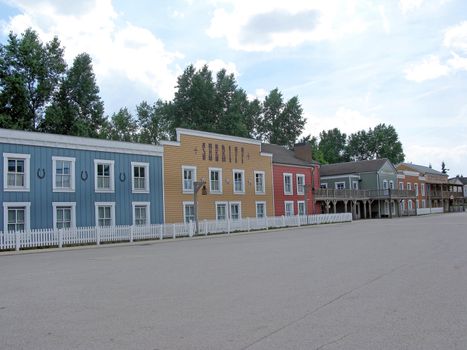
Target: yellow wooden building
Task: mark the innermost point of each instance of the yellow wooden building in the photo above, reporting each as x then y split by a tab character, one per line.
237	176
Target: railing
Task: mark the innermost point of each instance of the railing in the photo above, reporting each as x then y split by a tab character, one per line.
426	211
445	194
113	234
332	194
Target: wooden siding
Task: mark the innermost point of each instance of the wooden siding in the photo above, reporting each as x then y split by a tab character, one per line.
190	153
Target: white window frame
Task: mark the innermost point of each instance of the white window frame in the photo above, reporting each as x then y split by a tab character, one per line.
226	204
355	185
401	186
423	189
185	203
385	185
146	177
301	176
263	190
285	208
192	168
298	207
148	211
391	184
56	205
323	185
27	172
27	214
234	171
284	176
339	183
111	175
239	210
72	174
409	186
263	203
415	187
112	212
219	170
409	204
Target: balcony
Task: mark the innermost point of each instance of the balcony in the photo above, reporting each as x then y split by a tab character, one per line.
332	194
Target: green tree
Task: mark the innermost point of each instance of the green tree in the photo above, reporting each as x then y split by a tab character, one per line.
332	144
358	146
152	122
384	143
122	126
30	72
77	108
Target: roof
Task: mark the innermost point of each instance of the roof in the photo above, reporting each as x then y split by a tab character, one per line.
361	166
282	155
423	169
462	179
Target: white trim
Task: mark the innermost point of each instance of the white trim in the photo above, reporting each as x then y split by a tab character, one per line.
64	204
27	214
185	203
239	209
415	187
148	211
226	208
188	167
422	188
205	134
111	174
297	176
338	183
27	172
243	180
408	186
284	175
323	185
339	176
18	137
264	208
104	204
264	182
264	154
410	173
285	208
354	187
400	176
146	177
72	173
220	180
391	184
298	207
385	184
401	187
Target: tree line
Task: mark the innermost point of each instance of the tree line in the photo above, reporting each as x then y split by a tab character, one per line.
39	92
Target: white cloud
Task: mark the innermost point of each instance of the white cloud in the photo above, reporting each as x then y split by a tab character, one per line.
428	69
457	62
384	19
251	26
91	26
425	154
456	37
218	64
407	6
345	119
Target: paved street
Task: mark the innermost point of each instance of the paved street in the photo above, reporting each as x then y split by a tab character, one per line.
379	284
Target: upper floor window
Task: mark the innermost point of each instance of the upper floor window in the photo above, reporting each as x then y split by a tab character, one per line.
288	184
423	189
16	172
215	180
63	174
401	185
415	187
323	185
391	184
140	177
340	185
385	184
239	181
104	175
188	178
355	185
259	182
300	184
409	186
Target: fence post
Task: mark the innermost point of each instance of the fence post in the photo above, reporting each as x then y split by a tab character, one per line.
205	227
283	220
60	238
162	231
98	235
298	217
266	220
17	241
228	226
174	234
190	229
248	223
131	233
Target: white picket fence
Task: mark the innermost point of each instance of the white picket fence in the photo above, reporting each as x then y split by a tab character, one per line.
426	211
98	235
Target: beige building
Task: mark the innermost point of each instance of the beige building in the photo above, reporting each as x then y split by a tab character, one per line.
237	176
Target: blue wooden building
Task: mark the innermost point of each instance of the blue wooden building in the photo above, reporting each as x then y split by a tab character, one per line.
56	181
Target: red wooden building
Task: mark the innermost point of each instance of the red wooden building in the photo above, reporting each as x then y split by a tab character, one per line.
294	175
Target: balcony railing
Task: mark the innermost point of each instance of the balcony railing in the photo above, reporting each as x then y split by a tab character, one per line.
445	194
332	194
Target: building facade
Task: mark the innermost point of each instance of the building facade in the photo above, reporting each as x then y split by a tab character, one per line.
55	181
294	176
235	175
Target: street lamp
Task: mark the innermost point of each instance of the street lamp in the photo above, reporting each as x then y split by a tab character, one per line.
197	185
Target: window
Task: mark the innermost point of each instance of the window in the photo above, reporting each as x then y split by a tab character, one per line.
188	211
16	216
410	204
64	215
188	178
401	185
385	184
16	172
301	207
140	177
141	213
239	181
259	182
288	184
235	211
423	190
221	211
215	180
409	186
391	184
323	185
415	187
417	204
260	209
105	214
104	175
63	176
300	184
340	185
288	205
355	185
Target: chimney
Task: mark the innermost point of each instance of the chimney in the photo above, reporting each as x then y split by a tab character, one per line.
303	151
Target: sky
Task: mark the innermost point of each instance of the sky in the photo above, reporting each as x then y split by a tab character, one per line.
352	64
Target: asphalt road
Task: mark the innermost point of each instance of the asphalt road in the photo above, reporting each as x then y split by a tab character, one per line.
375	284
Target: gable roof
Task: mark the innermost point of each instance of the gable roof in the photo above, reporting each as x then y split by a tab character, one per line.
462	179
423	169
361	166
282	155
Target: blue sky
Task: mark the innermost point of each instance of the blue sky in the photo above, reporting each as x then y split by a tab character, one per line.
353	64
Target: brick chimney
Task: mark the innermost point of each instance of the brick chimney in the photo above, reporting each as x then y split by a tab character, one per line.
303	151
